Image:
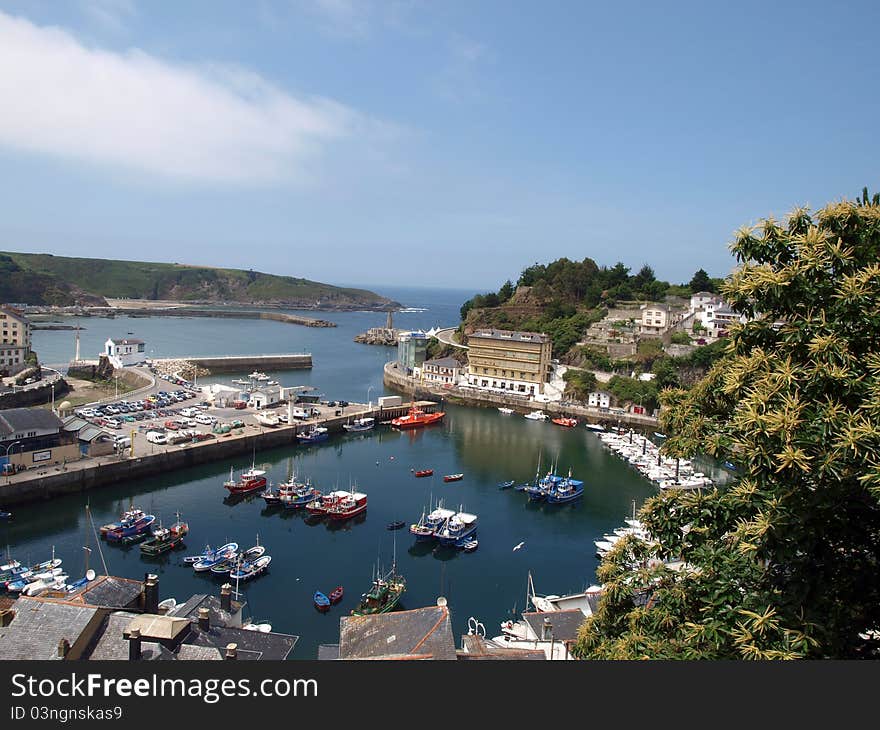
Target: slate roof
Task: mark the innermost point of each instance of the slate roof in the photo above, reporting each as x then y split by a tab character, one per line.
443	362
74	423
565	623
109	591
217	616
18	420
506	335
252	645
126	341
91	433
114	646
422	633
39	625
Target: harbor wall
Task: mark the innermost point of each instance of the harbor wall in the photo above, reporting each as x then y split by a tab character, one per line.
393	378
34	395
89	474
234	364
226	314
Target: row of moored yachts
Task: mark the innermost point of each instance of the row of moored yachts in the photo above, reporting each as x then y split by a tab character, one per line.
645	456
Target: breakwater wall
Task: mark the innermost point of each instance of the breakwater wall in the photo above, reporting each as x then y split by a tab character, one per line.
93	473
239	364
226	314
393	378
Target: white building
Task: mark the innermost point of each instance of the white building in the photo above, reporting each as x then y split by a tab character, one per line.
264	397
444	370
599	399
125	352
657	318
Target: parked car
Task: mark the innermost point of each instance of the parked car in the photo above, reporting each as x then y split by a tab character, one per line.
204	419
157	437
112	423
172	425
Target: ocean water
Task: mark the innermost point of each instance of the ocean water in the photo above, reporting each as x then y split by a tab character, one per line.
486	446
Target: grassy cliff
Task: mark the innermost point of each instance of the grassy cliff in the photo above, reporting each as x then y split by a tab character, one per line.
48	279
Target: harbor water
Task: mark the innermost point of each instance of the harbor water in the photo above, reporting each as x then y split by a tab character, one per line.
483	444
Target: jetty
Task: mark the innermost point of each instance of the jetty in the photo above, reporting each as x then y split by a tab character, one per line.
243	363
216	313
36	485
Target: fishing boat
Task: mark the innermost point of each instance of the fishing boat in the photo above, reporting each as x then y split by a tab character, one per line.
453	477
536	416
89	576
417	418
297	495
314	435
420	530
163	540
245	570
506	485
459	526
424	472
257	375
564	421
335	595
396	525
322	603
139	527
249	481
227	552
322	504
505	411
565	490
55	582
360	424
347	506
126	518
383	596
210	554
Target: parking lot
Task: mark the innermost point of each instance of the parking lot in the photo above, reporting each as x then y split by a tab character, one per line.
178	417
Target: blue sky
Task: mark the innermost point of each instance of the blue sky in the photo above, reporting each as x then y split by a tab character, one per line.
440	143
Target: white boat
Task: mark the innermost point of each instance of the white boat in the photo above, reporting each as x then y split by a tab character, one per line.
46	583
263	628
506	411
594	427
360	424
256	375
239	381
267	418
536	416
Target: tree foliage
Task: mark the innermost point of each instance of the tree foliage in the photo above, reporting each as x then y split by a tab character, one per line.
785	563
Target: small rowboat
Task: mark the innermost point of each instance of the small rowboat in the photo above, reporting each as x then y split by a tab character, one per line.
336	594
470	545
506	485
424	472
396	525
322	603
453	477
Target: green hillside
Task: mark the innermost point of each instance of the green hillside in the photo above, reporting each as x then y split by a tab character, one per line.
48	279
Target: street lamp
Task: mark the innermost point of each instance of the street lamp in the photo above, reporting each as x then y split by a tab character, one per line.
369	402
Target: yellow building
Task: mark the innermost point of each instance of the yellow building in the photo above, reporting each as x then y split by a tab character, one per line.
15	340
516	362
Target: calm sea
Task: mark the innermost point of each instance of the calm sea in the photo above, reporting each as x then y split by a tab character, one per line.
485	445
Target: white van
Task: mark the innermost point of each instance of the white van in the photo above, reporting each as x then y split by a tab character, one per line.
188	412
122	442
157	437
204	419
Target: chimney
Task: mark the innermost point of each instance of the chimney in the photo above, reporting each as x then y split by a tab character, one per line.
63	648
232	651
134	645
226	597
204	619
151	593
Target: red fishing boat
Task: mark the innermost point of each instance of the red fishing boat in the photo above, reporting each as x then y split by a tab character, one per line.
249	481
416	418
567	422
453	477
324	502
335	595
424	472
353	503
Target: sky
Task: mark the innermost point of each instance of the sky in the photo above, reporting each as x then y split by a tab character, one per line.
420	143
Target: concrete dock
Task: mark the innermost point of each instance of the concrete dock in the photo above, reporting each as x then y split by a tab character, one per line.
90	473
243	363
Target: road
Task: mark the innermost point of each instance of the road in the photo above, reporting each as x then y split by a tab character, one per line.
445	336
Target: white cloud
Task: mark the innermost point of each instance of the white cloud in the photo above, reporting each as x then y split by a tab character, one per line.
202	123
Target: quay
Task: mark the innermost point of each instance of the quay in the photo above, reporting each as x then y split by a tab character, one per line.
216	313
90	473
396	380
243	363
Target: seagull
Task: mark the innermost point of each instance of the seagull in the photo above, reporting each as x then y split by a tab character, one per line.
517	547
